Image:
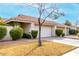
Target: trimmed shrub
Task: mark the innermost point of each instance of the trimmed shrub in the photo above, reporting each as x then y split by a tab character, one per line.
72	32
27	36
16	33
3	32
59	32
63	34
78	34
3	24
34	33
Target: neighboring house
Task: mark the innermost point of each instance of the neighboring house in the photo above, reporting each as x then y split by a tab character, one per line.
29	23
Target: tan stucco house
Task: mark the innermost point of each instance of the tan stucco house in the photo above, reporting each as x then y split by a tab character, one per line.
31	23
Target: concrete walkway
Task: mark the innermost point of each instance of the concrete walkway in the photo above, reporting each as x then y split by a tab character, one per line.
72	53
68	41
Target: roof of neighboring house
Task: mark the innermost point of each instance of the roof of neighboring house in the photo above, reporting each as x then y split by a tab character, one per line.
3	20
74	26
29	19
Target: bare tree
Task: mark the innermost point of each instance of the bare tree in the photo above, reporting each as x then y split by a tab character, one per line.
46	11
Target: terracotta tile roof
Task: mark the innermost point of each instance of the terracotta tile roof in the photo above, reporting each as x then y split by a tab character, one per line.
29	19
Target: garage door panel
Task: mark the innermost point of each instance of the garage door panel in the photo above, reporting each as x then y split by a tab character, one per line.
45	31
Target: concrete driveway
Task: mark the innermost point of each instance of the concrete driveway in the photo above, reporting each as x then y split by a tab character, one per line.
74	42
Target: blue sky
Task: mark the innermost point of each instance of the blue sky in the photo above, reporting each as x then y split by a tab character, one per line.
11	10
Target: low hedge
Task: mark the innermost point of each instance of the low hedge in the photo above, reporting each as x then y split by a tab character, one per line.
16	33
59	32
78	34
27	36
34	33
73	31
63	34
3	32
3	24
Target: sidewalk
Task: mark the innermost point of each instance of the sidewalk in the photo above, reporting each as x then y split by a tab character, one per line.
72	53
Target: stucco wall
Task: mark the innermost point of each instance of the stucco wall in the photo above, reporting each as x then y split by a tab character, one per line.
27	28
53	30
7	37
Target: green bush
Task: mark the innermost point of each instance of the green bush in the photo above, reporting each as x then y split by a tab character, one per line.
63	34
78	34
34	33
3	24
16	33
3	32
72	31
27	36
59	32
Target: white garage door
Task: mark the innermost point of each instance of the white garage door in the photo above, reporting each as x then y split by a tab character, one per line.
45	31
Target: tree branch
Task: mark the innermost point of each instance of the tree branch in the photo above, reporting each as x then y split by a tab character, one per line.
47	16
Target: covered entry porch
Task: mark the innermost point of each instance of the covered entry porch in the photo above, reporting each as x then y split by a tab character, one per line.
27	26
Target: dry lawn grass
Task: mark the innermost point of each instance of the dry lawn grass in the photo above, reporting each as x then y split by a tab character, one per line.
31	49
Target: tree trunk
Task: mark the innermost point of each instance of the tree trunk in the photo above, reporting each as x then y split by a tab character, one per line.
39	38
